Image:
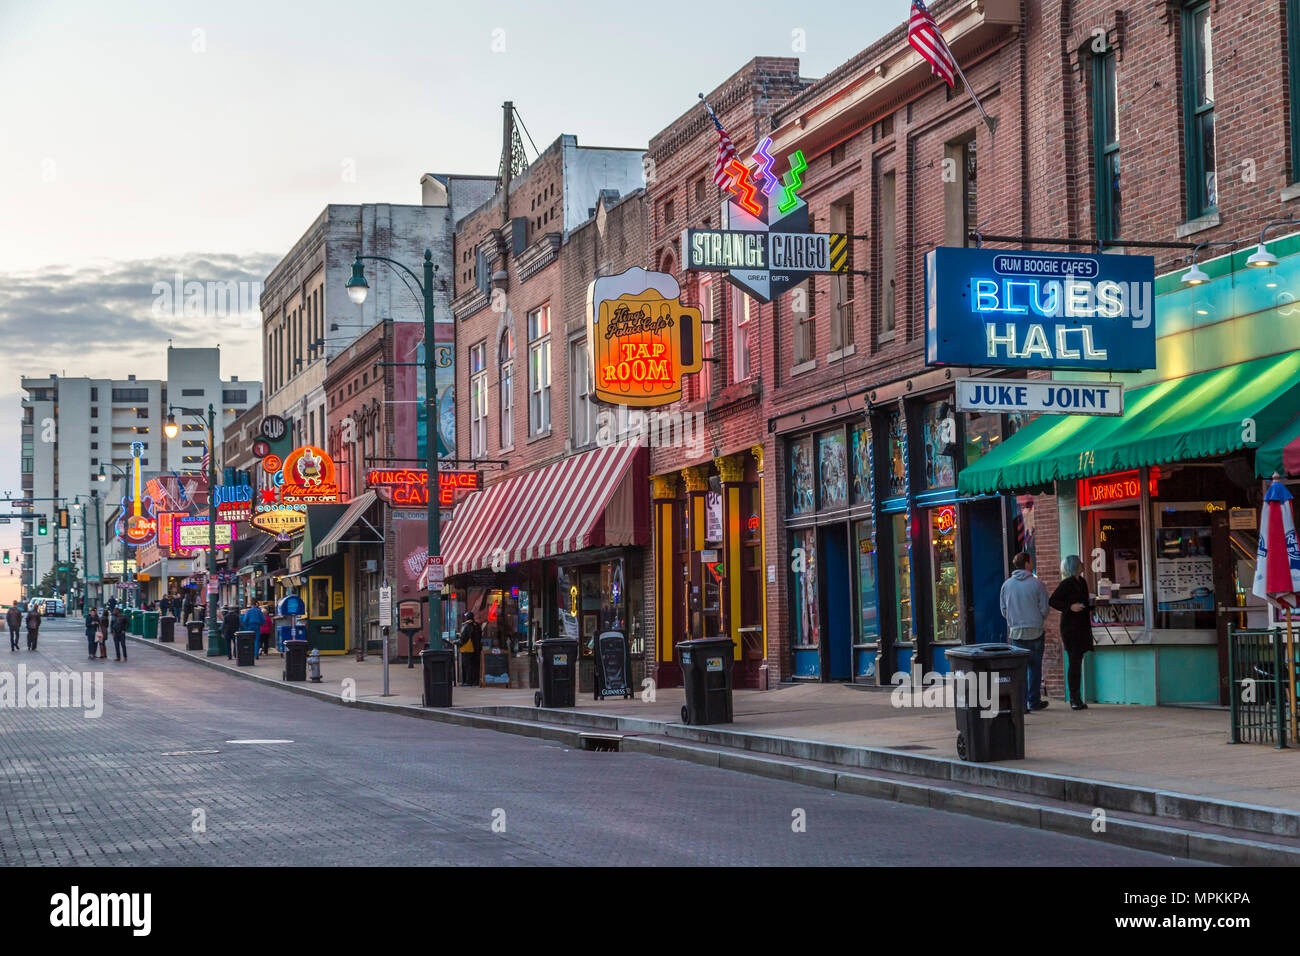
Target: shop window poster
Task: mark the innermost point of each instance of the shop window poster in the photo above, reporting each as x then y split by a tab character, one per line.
1184	571
801	478
860	472
897	463
805	587
833	469
939	469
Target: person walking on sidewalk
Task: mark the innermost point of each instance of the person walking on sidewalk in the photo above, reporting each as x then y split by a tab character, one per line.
92	632
471	636
119	635
229	627
105	623
1071	598
33	626
264	632
14	618
252	620
1024	605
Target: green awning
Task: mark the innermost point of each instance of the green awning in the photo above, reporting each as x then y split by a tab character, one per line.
1197	416
1280	455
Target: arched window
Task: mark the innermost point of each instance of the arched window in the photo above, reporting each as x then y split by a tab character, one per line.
506	387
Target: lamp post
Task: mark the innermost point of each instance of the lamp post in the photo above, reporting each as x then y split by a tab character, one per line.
215	643
126	560
357	288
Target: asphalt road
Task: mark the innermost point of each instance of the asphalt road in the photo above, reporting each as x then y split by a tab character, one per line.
157	779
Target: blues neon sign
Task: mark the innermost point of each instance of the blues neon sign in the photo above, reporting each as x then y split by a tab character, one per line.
995	308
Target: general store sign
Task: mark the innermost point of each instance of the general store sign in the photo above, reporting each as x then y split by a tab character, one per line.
409	487
235	502
1043	398
1010	309
641	339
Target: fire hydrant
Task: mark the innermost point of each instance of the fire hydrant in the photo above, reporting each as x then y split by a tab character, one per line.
313	665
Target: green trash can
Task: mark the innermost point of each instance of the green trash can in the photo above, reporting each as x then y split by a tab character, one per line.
137	622
151	625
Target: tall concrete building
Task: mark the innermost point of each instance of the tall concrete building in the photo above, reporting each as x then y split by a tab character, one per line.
74	427
307	316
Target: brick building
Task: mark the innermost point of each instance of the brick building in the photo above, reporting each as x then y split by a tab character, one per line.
557	532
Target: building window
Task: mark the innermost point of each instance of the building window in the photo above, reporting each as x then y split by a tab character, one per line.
583	425
888	255
1105	138
939	437
142	413
1198	111
801	309
192	391
837	154
539	371
804	617
842	285
234	396
94	411
669	211
130	394
741	326
478	404
506	388
699	190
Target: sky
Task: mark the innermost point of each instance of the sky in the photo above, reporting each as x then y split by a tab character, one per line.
143	139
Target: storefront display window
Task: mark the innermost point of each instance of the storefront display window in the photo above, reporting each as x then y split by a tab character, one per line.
937	429
613	614
319	597
944	590
1184	578
982	433
902	579
1114	540
859	462
568	602
803	552
1022	523
868	612
832	470
897	470
801	477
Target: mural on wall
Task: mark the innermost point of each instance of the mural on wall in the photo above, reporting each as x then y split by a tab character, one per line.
805	589
861	464
833	469
939	469
801	477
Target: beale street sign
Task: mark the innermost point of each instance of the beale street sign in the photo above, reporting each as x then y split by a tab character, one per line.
1041	397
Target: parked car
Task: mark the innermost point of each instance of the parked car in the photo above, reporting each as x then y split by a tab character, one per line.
50	607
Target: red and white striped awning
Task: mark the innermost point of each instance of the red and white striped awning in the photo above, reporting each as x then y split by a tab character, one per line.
554	510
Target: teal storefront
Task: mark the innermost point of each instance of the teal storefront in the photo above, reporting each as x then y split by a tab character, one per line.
1162	504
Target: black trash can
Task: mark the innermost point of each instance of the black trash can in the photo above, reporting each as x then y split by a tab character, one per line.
557	672
167	629
992	675
706	673
245	648
439	667
295	660
194	636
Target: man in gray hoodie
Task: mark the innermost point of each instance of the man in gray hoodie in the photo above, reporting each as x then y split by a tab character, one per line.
1024	605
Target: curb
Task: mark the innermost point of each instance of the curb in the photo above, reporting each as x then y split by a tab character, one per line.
1184	844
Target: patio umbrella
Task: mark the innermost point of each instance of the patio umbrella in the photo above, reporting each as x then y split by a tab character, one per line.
1277	569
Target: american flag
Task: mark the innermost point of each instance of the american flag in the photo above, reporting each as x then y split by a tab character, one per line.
206	459
923	33
726	152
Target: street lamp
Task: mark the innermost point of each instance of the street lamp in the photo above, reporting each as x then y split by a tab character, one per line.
171	430
1261	258
357	287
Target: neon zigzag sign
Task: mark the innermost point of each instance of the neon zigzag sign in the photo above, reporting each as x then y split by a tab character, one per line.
744	188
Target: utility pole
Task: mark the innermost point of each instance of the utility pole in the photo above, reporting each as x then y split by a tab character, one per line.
214	632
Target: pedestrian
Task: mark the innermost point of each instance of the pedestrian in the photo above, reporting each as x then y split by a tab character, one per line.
105	622
188	606
14	618
264	632
119	636
92	632
1072	599
471	637
252	620
33	626
1024	605
229	626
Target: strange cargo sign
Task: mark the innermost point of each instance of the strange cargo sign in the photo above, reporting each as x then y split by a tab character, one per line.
1008	309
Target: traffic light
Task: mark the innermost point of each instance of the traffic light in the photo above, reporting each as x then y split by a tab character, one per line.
6	556
42	526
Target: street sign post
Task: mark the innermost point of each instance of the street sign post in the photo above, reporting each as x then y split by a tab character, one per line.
436	579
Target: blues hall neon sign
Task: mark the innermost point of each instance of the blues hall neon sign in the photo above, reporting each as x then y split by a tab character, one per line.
1028	310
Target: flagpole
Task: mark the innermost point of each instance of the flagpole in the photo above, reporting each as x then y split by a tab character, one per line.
991	123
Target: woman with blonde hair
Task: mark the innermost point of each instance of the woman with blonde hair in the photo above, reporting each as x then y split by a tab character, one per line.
1071	598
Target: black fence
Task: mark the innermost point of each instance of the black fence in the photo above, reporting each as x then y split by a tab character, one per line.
1258	695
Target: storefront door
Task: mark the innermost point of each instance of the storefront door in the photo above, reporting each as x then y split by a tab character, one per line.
984	525
837	594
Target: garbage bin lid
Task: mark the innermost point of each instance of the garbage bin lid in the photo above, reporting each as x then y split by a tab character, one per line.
985	651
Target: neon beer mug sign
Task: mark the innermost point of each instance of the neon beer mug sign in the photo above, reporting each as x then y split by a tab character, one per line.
1003	309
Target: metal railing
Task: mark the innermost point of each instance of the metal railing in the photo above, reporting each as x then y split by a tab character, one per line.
1258	677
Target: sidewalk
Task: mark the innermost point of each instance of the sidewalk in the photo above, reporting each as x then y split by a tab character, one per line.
1184	750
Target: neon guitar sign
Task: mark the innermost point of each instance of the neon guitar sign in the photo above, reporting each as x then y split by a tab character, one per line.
137	524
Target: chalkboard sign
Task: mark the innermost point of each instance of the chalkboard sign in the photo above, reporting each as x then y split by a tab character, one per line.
612	665
496	668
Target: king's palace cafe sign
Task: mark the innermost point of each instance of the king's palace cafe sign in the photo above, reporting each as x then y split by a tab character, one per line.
409	487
